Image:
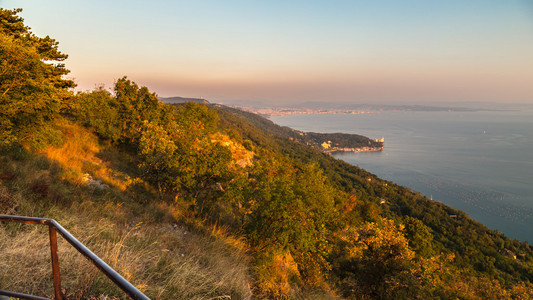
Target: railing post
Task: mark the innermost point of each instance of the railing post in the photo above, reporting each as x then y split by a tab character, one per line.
55	262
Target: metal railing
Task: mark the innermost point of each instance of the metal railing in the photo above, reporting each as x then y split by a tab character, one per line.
54	228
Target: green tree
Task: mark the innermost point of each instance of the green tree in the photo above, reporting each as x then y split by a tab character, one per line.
98	109
204	167
179	155
198	117
135	105
32	88
157	150
292	210
375	260
419	236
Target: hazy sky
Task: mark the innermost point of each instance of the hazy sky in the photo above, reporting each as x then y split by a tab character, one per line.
339	51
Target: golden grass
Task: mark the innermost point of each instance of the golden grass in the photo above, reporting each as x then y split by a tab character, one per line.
166	261
79	157
25	261
143	239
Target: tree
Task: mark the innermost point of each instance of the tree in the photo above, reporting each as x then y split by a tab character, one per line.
375	259
179	155
204	165
32	88
98	109
419	236
157	151
198	117
292	211
135	105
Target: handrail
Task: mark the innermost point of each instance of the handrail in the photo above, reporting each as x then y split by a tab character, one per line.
54	227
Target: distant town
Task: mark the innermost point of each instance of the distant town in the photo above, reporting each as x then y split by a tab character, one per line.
269	112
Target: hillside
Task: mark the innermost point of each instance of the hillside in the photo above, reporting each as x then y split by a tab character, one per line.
334	141
452	231
195	201
176	100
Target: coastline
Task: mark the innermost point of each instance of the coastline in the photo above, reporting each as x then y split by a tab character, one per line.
447	156
354	150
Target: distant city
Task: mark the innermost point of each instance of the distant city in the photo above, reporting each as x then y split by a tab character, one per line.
276	111
331	108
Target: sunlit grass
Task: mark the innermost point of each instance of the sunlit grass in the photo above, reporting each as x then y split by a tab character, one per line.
143	238
79	156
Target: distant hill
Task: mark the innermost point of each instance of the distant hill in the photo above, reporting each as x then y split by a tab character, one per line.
175	100
368	106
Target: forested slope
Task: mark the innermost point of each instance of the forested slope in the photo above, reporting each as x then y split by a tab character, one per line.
451	231
313	139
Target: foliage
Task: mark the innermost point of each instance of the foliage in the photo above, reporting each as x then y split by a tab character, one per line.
376	260
419	236
32	90
157	151
293	212
134	105
98	109
181	157
429	229
277	274
197	118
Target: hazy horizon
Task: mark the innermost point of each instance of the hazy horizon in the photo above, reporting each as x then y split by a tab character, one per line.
334	104
297	51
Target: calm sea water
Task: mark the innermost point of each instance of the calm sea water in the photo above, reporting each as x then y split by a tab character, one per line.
478	162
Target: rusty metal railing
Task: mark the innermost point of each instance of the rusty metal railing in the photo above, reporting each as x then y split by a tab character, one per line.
55	227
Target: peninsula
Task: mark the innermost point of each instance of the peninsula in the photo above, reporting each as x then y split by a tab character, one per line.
339	142
324	142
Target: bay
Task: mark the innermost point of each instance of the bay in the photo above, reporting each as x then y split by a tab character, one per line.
480	162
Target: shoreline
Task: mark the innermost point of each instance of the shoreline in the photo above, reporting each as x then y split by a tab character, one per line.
354	150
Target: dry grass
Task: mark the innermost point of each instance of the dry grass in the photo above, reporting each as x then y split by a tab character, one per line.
25	260
165	262
140	238
78	156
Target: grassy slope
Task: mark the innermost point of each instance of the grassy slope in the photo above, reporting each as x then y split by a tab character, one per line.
115	216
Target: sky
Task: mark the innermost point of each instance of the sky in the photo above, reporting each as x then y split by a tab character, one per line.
297	50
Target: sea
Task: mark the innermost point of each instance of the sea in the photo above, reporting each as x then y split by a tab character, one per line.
480	162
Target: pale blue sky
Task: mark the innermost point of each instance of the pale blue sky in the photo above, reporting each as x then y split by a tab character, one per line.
359	51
